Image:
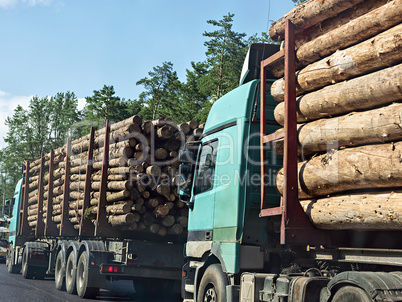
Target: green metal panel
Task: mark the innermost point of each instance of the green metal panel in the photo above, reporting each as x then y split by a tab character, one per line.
236	104
232	206
233	107
14	221
230	253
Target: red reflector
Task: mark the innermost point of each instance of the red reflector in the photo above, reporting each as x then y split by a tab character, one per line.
159	263
131	261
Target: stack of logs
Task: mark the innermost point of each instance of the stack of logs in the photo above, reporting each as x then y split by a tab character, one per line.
141	177
348	83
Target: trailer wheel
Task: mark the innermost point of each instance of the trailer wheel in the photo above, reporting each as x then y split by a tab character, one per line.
12	269
213	285
27	270
71	272
351	294
59	272
82	279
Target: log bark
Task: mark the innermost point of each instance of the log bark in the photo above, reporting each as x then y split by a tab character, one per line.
353	32
370	211
118	220
309	14
357	128
330	24
176	229
365	92
118	196
193	124
160	154
153	170
112	185
364	167
185	127
381	51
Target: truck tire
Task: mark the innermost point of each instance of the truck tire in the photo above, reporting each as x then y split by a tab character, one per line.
213	285
71	273
27	270
59	272
11	267
83	277
351	294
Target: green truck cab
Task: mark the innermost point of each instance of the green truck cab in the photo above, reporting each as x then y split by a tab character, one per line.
224	228
246	243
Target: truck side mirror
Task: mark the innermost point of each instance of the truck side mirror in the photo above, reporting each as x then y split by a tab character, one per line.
185	182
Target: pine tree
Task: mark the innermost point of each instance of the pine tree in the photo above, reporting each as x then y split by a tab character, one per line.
225	55
162	92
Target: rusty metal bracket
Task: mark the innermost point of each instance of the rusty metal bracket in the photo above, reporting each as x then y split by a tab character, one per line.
24	229
50	227
295	226
39	230
102	227
86	226
66	227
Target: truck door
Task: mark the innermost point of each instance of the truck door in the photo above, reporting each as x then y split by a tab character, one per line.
204	193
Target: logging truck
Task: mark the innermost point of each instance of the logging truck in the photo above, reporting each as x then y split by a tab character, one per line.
82	264
308	212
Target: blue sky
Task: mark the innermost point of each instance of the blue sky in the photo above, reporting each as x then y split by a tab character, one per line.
50	46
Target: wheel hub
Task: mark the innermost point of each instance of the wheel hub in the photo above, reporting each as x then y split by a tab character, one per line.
210	295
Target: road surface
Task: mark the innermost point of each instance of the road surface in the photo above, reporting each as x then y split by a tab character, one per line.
14	288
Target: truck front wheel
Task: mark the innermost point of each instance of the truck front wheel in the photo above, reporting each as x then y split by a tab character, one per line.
59	272
213	285
351	294
71	271
27	270
82	278
12	269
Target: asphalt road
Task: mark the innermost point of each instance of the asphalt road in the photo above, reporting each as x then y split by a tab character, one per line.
14	288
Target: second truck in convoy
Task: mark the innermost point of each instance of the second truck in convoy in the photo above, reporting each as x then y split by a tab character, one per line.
244	242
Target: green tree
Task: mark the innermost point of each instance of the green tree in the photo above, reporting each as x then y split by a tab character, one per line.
195	103
103	105
162	92
225	55
298	1
41	127
63	115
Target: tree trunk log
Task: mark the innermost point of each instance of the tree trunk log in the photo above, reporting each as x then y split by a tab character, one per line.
364	167
357	128
372	211
309	14
353	32
118	220
378	52
339	20
365	92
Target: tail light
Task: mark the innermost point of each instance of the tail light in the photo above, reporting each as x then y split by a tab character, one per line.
111	269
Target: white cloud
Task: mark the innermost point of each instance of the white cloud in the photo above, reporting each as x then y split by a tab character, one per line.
8	103
6	4
37	2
